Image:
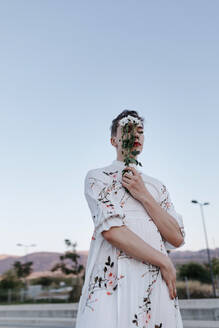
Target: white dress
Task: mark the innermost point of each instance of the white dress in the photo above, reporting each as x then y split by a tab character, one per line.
120	291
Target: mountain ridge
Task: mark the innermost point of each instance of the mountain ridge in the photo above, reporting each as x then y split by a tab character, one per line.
44	261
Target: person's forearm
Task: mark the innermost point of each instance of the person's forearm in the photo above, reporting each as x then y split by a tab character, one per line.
165	223
134	246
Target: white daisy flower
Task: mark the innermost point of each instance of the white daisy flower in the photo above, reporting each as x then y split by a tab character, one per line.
128	119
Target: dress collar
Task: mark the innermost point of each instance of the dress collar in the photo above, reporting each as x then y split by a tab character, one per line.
121	164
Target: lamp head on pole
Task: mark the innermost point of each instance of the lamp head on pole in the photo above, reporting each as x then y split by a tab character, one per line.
200	203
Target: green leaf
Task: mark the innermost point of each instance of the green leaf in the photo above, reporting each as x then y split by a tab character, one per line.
96	278
132	160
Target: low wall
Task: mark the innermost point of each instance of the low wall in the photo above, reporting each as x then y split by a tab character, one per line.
200	309
195	313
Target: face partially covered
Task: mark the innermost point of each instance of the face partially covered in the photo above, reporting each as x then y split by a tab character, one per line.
138	145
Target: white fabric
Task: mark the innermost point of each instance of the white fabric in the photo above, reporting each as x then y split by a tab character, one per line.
120	291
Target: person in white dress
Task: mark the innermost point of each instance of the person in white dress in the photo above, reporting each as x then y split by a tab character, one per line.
130	280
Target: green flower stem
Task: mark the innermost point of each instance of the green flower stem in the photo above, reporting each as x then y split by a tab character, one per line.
128	140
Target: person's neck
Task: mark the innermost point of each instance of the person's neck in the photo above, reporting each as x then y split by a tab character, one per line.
121	158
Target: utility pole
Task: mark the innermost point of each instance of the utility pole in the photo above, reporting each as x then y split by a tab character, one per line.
206	241
26	248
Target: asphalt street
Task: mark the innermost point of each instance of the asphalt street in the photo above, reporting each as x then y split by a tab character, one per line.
2	325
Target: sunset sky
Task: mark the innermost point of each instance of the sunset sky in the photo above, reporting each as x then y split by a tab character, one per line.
67	69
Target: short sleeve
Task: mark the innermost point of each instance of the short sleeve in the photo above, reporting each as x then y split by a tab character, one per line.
167	204
103	203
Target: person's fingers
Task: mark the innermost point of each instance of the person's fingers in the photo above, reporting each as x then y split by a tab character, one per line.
174	287
127	180
125	184
125	176
131	169
175	291
170	278
170	287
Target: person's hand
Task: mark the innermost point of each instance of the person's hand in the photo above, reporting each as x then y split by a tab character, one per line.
134	183
168	272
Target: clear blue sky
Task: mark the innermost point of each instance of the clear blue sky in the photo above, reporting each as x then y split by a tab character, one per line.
67	68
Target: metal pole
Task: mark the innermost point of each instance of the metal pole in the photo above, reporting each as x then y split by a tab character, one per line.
208	251
9	295
26	248
187	288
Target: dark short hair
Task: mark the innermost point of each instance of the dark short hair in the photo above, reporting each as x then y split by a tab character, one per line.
124	113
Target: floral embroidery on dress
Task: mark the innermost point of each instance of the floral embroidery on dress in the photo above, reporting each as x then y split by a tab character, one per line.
162	248
144	315
104	193
176	302
93	237
121	254
107	281
176	306
111	174
114	175
182	229
104	197
165	203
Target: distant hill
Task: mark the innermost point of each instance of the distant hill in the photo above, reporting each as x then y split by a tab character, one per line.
5	256
44	261
180	257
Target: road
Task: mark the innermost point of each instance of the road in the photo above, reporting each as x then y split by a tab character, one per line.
7	325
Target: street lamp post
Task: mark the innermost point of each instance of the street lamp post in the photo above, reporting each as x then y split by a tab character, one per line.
26	247
206	241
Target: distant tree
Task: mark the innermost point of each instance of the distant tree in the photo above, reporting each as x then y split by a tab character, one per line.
71	255
44	281
54	282
194	271
23	270
10	280
215	265
74	268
